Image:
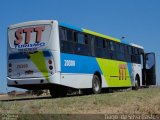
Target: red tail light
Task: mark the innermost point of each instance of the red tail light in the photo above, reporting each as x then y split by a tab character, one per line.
10	65
49	61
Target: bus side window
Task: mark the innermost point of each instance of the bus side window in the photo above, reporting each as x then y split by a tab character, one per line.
136	51
138	55
117	47
75	36
130	53
92	43
118	50
111	45
70	36
106	49
130	50
135	55
99	42
112	52
121	48
80	37
99	47
126	53
127	56
86	39
62	33
122	52
82	46
66	40
106	44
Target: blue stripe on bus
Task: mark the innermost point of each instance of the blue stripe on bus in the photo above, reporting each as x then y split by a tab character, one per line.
70	26
17	56
130	70
21	55
125	42
47	53
83	64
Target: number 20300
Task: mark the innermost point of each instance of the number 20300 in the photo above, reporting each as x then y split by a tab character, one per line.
69	63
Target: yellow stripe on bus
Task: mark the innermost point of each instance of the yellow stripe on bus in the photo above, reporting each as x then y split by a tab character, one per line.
100	35
39	60
114	75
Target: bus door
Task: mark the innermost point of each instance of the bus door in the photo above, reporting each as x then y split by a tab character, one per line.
150	69
143	69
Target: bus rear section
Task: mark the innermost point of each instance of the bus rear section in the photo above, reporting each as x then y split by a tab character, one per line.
31	64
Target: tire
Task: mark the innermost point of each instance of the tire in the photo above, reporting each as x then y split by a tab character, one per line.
137	83
96	85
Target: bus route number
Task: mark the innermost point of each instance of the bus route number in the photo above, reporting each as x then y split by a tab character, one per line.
69	63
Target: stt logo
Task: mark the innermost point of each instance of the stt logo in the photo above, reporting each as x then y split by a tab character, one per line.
27	32
122	72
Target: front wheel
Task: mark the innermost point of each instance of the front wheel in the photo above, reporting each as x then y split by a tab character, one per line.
96	85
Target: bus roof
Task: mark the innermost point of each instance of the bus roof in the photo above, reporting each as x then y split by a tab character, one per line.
28	23
135	45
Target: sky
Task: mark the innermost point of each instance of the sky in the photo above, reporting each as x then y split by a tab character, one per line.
137	20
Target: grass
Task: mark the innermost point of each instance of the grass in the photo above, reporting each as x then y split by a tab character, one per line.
144	101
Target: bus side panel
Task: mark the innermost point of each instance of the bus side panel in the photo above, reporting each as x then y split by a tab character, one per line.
116	73
77	71
76	80
71	63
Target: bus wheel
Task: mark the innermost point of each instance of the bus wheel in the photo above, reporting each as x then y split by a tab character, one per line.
137	83
96	85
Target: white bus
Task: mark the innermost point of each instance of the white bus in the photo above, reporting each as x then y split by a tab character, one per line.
46	54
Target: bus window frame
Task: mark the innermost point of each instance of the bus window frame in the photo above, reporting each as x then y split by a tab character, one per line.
107	49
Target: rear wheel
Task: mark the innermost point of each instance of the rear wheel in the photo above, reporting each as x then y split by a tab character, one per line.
137	83
96	85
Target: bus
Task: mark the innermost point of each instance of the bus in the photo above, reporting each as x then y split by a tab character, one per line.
47	54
